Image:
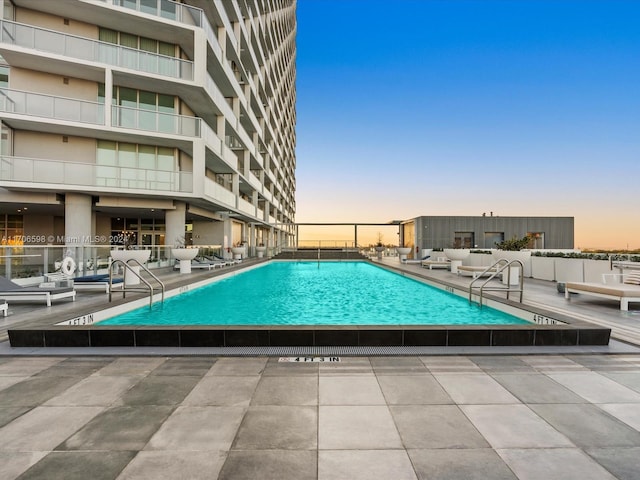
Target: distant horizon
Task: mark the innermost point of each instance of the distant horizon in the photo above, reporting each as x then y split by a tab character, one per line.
459	107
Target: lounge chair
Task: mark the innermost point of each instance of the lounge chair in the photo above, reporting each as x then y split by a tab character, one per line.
197	264
440	262
628	290
96	282
14	292
416	260
475	272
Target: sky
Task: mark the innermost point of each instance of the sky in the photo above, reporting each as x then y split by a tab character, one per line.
458	107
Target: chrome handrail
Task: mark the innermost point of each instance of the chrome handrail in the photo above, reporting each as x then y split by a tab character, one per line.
134	289
499	267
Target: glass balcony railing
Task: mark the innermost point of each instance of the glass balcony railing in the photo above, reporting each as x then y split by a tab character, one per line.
57	172
152	121
163	8
72	46
48	106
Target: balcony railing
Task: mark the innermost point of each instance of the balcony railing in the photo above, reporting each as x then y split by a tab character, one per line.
56	172
48	106
72	46
152	121
218	192
164	9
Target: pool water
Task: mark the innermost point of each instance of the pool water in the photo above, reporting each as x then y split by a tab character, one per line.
315	293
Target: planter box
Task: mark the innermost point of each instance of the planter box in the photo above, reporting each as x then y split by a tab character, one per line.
479	260
593	270
524	256
569	270
543	268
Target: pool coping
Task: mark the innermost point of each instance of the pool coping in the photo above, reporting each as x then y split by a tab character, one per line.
547	329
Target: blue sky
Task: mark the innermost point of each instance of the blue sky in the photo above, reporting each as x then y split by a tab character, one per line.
459	107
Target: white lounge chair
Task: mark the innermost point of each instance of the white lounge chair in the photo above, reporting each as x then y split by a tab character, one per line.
13	291
416	260
440	262
626	291
475	272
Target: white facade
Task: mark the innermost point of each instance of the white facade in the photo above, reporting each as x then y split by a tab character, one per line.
151	117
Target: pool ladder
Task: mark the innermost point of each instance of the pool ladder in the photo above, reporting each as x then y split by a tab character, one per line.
496	269
125	289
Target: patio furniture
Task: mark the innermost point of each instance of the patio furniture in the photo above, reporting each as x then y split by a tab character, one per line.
628	290
46	291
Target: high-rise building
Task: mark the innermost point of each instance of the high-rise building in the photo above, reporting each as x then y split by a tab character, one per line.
156	119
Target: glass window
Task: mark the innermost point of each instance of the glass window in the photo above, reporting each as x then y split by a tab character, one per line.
491	238
148	45
106	153
166	159
106	35
149	6
4	77
147	157
128	40
167	49
127	155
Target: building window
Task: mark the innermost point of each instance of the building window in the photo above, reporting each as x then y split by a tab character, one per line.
128	165
491	238
463	240
536	240
12	229
139	43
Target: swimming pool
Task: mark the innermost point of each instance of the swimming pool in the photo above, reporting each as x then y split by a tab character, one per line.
315	293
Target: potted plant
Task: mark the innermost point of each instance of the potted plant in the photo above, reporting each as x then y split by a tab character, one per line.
260	249
379	246
514	249
184	255
403	252
132	271
456	255
238	250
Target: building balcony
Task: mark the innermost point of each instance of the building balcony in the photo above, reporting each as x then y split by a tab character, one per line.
49	106
42	40
149	120
61	175
71	110
217	193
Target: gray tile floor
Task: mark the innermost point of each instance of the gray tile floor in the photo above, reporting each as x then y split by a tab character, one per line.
431	417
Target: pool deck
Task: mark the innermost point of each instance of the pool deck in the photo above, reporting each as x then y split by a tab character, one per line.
590	318
484	413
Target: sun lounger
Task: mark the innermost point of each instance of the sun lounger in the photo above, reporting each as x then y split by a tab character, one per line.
475	272
96	282
625	292
14	292
416	260
440	262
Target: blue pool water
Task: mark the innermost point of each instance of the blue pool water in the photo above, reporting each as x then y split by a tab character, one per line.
312	293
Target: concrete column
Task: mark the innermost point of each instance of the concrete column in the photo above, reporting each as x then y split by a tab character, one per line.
108	96
77	219
78	227
175	220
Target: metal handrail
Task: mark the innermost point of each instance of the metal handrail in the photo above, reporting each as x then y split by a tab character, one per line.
499	267
134	289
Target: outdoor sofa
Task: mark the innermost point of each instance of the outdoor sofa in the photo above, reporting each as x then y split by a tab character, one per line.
625	291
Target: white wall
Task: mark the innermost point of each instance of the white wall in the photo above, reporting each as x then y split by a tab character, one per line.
50	146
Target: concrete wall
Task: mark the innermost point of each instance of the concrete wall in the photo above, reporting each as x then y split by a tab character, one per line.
51	146
51	84
208	232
